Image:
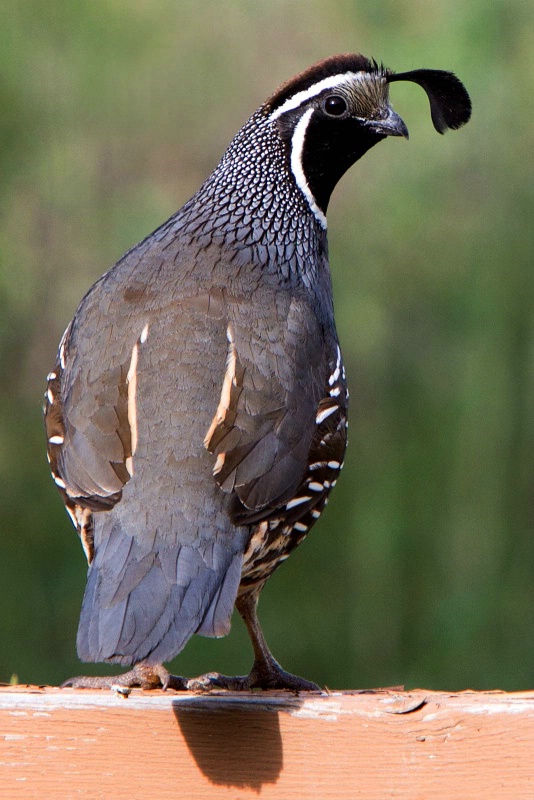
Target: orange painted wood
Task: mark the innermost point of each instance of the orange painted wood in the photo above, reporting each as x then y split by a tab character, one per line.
417	745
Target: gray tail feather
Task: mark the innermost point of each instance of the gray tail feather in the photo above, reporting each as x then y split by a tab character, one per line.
145	599
217	618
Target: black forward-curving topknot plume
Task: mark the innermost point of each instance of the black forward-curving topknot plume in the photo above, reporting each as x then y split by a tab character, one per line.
450	106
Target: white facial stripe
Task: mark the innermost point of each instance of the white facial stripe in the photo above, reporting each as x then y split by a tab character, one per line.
327	83
297	145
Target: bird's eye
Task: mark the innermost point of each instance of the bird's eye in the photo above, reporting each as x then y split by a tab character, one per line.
335	106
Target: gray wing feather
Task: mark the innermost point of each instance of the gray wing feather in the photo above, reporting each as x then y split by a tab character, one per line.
263	438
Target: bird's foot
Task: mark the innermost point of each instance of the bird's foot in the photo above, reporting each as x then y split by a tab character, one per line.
270	675
265	675
143	675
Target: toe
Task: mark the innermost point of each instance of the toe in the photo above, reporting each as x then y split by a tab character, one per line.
214	680
90	682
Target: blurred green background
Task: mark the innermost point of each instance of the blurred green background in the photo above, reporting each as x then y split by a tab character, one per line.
421	571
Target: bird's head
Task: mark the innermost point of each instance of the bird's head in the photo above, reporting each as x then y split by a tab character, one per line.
333	112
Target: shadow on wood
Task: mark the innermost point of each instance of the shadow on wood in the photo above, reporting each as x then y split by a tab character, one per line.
239	745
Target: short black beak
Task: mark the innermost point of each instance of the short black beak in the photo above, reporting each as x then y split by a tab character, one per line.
392	125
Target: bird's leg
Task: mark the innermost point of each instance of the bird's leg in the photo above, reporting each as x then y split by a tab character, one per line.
146	676
266	672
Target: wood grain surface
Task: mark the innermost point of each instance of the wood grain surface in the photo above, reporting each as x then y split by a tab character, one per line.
416	745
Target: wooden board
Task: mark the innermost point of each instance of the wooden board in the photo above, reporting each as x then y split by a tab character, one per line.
417	745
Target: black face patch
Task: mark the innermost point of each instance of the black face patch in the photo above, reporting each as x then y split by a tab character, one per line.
330	148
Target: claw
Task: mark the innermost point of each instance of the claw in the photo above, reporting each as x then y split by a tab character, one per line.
124	691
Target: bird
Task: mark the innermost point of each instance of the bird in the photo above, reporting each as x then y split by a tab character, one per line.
196	414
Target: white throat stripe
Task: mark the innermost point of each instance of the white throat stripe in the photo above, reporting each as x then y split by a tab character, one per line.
297	146
327	83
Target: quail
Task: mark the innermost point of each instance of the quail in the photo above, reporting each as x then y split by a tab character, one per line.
196	414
